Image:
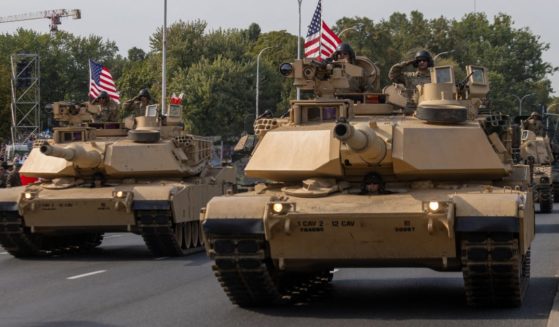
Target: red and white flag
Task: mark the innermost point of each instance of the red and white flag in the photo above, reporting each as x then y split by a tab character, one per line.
321	41
100	79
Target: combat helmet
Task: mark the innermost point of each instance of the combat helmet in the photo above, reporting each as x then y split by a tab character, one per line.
102	95
344	47
425	55
144	93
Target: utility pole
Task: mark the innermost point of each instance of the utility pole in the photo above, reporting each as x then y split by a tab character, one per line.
164	61
298	46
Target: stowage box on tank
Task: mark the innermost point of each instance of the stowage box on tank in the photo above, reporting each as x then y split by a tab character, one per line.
362	182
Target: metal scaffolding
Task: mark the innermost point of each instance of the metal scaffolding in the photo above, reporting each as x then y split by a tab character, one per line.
25	97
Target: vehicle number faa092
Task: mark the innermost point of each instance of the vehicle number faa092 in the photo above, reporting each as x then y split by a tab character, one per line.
312	226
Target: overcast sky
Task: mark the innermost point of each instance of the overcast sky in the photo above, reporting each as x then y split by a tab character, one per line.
130	22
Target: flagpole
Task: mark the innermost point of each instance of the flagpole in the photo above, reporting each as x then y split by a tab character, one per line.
299	46
164	60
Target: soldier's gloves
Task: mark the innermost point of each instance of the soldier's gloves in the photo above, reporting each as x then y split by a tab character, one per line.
410	62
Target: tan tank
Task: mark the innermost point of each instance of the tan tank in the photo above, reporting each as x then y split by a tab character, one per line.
355	182
535	150
91	184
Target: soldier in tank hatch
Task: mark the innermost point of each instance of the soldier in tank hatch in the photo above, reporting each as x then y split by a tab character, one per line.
104	109
422	62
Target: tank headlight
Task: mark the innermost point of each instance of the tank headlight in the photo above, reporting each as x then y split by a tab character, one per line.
277	208
434	206
28	195
281	208
120	194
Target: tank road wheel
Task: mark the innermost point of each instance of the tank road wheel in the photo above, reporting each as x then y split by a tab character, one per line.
179	234
495	272
159	232
16	239
555	187
200	233
546	200
188	235
546	206
195	229
163	237
249	278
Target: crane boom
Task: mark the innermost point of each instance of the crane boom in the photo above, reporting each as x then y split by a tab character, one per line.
75	13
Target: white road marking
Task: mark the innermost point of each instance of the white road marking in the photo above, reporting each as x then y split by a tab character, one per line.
87	274
335	270
161	258
111	236
3	252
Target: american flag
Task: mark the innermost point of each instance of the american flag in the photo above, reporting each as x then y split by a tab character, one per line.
321	42
100	79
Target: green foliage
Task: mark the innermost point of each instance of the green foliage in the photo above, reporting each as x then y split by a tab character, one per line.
217	93
216	69
513	56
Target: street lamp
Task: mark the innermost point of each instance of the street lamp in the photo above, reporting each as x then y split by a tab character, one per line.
347	29
520	101
442	53
164	59
258	76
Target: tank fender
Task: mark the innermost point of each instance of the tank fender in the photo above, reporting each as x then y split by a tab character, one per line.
486	212
242	215
9	198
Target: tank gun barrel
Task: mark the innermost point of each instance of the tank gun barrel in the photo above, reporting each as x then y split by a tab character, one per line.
361	139
356	139
74	153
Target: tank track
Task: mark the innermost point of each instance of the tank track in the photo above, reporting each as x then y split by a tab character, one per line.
20	243
157	230
546	199
555	187
495	272
249	279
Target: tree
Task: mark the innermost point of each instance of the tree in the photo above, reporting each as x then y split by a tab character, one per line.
219	95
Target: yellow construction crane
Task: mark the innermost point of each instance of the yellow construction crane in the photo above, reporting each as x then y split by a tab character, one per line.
53	15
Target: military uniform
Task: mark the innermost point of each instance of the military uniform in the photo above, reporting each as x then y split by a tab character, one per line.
409	79
135	107
106	113
535	125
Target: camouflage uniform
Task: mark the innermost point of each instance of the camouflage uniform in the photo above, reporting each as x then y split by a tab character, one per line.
535	125
107	113
135	107
409	79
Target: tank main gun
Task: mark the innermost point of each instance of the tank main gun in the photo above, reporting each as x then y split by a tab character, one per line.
74	153
361	139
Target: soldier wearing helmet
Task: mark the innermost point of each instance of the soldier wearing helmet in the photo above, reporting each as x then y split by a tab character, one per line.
137	105
421	75
103	108
534	123
344	52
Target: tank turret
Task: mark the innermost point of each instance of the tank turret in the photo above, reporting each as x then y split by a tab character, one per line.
355	181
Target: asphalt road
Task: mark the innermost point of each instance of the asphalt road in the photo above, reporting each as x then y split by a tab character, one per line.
122	285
